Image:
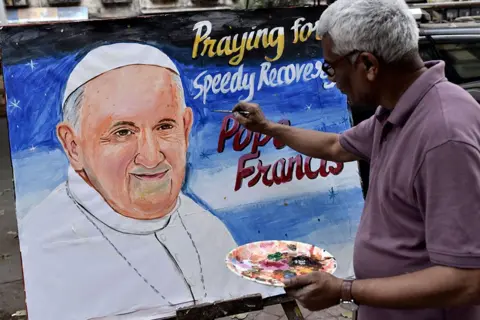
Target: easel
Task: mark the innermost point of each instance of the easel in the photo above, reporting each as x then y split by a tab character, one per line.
224	308
250	303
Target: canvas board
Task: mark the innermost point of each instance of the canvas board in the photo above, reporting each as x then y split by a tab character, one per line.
130	191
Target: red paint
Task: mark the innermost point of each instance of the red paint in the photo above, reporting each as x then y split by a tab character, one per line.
243	172
238	143
226	132
281	171
242	138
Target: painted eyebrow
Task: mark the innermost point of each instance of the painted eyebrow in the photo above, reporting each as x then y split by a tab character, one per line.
123	123
132	124
167	120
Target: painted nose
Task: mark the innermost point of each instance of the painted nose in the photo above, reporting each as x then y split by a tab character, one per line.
149	154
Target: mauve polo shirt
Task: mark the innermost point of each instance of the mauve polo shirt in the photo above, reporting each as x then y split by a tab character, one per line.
423	204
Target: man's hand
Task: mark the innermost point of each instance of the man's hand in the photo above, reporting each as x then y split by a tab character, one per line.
312	143
315	291
255	120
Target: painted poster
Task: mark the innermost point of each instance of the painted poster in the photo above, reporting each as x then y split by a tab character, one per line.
130	190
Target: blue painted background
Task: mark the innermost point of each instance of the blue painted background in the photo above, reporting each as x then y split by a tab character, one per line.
34	92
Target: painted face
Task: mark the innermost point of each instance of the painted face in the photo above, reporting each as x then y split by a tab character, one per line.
133	139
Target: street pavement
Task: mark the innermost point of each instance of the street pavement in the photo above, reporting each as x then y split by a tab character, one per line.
276	313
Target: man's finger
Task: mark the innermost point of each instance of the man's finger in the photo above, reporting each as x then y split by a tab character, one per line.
298	282
239	117
237	107
241	106
303	293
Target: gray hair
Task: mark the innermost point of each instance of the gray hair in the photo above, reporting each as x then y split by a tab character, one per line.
73	104
385	28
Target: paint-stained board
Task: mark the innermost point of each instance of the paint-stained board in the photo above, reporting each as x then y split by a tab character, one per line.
123	169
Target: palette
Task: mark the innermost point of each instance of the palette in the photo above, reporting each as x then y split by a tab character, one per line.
272	262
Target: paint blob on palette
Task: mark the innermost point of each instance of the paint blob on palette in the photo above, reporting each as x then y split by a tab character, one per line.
272	262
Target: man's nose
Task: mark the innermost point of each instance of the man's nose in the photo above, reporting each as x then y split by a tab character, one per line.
149	154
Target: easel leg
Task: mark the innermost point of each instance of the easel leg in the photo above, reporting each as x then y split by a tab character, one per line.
292	311
354	315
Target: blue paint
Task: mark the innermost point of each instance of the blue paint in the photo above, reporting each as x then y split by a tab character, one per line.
296	217
34	93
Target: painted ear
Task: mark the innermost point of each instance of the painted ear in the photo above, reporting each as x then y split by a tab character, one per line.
187	123
69	141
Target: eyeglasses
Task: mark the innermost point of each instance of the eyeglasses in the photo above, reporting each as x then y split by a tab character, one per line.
328	68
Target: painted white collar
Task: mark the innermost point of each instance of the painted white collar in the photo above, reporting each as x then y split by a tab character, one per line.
93	203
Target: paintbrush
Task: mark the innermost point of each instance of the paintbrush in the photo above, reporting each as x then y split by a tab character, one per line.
243	113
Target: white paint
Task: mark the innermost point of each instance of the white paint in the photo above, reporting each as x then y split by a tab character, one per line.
202	181
69	260
207	84
224	83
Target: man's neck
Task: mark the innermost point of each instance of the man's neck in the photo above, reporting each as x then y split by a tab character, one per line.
397	80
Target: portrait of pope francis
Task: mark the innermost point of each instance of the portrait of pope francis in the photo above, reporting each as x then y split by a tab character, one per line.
118	239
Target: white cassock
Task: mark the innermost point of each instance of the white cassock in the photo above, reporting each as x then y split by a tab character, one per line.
82	260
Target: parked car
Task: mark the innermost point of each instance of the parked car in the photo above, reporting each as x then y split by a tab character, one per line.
458	44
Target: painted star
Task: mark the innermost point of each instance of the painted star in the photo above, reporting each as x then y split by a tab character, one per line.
14	104
31	64
332	194
309	106
205	155
32	148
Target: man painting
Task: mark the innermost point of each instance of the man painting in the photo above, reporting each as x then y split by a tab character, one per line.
119	237
417	249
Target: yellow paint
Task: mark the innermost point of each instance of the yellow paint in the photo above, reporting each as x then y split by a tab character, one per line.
302	32
237	45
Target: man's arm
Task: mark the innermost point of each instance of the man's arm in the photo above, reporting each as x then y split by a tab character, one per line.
435	287
315	144
447	189
354	144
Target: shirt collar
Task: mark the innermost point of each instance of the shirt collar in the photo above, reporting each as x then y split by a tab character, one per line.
414	94
91	202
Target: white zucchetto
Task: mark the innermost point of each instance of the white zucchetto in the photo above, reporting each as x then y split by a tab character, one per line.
113	56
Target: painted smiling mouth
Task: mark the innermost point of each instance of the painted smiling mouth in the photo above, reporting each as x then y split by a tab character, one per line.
150	176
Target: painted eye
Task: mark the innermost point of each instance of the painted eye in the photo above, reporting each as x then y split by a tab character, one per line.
165	126
123	133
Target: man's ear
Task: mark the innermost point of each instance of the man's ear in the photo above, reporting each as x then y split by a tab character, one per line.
187	123
69	141
370	64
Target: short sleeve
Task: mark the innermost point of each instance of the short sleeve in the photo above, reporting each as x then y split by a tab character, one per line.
359	139
447	188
